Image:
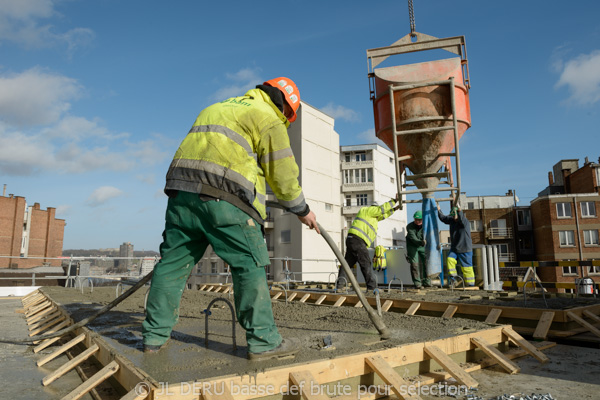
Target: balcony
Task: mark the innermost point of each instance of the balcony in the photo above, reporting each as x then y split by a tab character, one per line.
357	187
357	164
506	257
351	210
499	233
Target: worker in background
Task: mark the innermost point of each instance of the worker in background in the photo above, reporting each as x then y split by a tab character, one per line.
415	251
217	191
461	246
361	236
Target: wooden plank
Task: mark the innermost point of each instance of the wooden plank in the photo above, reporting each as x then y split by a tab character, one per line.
46	343
210	288
321	299
44	321
32	301
202	287
543	326
292	296
493	316
450	365
220	393
41	315
48	379
450	311
358	304
47	326
390	377
305	380
305	297
277	295
54	329
524	344
60	350
340	301
34	310
584	323
591	315
387	305
413	308
29	296
494	353
94	381
137	393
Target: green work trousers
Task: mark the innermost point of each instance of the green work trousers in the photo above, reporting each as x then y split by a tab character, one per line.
418	270
191	225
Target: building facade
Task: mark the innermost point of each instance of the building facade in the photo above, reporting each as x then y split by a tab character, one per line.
368	175
29	231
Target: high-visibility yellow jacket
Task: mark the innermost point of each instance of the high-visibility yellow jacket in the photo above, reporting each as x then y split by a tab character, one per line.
379	260
233	147
365	223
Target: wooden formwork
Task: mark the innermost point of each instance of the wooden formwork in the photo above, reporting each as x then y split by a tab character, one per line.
383	372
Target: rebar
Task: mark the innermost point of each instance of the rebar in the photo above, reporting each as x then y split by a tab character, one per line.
207	313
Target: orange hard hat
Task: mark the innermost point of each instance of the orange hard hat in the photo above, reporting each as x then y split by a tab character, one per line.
290	92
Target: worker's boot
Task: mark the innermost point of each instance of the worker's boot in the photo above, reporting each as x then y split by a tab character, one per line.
152	349
287	348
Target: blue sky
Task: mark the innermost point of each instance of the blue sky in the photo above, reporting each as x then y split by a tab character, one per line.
95	96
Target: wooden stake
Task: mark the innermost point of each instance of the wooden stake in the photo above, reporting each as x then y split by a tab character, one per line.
494	353
48	379
591	315
292	296
525	345
47	326
387	305
543	326
30	295
278	295
94	381
41	315
60	350
413	308
450	311
34	310
305	297
493	316
339	301
358	304
584	323
450	365
309	386
45	320
390	376
58	327
321	299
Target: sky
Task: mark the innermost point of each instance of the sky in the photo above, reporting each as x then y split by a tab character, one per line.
95	96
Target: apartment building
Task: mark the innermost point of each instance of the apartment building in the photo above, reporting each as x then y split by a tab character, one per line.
29	231
368	175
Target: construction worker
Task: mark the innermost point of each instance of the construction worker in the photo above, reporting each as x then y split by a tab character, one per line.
217	191
415	251
461	246
361	236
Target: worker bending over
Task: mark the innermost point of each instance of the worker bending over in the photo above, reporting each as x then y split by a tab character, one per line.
461	246
415	251
361	236
217	191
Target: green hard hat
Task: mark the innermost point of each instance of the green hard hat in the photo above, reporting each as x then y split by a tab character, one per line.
418	215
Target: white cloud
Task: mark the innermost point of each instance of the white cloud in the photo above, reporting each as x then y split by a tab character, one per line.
35	97
341	112
20	23
368	137
581	75
102	195
238	84
63	210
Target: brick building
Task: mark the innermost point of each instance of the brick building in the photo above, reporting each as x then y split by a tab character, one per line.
28	231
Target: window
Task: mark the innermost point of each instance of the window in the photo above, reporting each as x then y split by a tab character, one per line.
588	209
328	207
286	236
213	267
348	200
362	156
498	223
594	270
569	290
476	225
523	217
503	248
361	199
471	205
569	270
563	210
391	160
347	157
590	237
567	238
525	243
349	222
348	178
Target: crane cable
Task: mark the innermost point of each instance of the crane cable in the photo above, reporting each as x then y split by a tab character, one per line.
411	15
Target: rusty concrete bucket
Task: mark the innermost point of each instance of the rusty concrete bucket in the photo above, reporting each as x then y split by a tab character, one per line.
424	109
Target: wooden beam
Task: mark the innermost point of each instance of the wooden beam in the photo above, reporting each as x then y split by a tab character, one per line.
40	307
202	287
277	295
543	326
94	381
339	301
54	329
60	350
48	379
387	305
524	344
48	325
493	316
390	377
450	365
33	300
305	297
584	323
494	353
358	304
27	297
292	296
42	315
138	393
305	381
591	315
321	299
450	311
413	308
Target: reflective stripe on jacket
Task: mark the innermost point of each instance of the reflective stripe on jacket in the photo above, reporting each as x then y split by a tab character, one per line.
236	145
365	224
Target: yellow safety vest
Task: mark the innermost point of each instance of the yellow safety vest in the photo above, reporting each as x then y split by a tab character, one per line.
365	223
233	147
379	260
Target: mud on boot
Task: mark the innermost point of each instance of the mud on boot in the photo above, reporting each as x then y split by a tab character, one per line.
287	348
